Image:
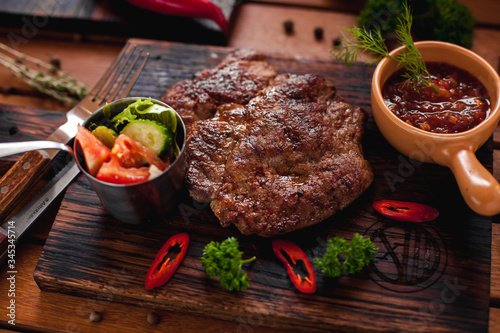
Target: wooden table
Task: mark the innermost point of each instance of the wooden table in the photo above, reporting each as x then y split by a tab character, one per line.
257	24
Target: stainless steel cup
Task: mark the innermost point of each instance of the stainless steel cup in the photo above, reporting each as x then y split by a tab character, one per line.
145	201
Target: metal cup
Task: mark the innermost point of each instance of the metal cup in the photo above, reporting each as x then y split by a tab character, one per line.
145	201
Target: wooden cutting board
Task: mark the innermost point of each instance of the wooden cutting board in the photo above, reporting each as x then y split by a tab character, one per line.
425	277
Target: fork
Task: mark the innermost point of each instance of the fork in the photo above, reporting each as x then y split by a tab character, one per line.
32	165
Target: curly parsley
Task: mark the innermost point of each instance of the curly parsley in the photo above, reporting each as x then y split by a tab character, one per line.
342	257
224	260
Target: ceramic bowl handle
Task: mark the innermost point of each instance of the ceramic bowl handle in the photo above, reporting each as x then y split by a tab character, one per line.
479	188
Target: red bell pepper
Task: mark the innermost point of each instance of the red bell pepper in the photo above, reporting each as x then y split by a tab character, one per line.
163	267
191	8
290	254
406	211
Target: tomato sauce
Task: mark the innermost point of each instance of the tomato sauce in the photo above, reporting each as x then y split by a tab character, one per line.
460	103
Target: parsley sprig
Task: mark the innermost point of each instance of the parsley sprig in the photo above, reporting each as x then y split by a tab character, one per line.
359	40
342	257
224	260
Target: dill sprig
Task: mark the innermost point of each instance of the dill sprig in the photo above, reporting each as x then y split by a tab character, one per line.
360	40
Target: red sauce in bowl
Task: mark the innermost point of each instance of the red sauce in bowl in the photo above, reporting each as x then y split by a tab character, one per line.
461	102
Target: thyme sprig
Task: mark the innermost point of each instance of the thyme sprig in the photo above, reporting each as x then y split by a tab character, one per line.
43	76
360	40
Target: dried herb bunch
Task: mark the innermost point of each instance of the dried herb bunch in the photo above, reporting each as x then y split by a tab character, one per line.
44	77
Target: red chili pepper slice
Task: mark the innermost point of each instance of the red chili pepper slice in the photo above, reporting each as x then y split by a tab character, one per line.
163	267
291	255
406	211
190	8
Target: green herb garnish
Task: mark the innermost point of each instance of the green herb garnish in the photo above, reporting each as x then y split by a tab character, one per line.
360	40
342	257
225	260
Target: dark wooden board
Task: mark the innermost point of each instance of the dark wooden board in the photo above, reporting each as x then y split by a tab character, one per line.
426	277
116	17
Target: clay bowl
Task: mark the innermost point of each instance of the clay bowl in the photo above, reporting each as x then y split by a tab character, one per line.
456	151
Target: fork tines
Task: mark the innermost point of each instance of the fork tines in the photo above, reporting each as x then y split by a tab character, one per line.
115	83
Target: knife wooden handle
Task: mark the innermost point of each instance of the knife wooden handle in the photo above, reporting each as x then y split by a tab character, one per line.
19	178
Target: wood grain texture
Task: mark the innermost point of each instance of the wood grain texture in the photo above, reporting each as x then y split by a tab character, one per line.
24	124
425	277
485	12
494	320
495	264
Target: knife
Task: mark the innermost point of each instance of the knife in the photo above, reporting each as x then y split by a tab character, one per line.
108	85
12	229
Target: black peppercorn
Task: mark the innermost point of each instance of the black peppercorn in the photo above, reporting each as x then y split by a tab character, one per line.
288	25
95	317
337	42
13	130
55	63
318	33
153	318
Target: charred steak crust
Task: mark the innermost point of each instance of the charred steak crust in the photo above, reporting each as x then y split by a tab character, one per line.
286	159
237	79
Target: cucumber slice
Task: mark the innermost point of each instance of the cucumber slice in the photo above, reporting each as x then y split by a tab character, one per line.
106	135
151	134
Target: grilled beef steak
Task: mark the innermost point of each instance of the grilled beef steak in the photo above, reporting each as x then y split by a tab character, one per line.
283	160
271	153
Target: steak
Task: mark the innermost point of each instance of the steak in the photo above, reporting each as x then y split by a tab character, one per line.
237	79
285	159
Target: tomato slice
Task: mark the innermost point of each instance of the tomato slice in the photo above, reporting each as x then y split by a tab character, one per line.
291	255
163	267
94	151
132	153
406	211
113	172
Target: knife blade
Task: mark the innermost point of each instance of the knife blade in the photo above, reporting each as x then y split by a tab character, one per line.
13	228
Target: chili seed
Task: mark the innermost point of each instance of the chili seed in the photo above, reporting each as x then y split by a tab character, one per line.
318	33
153	318
95	317
288	25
